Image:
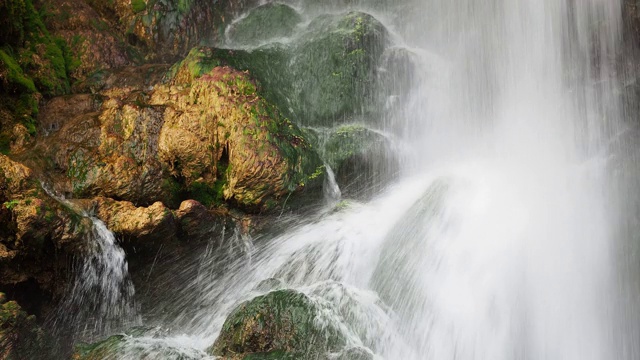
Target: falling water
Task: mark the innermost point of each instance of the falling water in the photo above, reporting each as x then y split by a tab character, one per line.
101	297
498	240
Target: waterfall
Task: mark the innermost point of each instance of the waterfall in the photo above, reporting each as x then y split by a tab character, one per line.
101	297
102	294
498	240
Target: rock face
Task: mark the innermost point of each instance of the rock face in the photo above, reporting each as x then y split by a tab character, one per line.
20	336
167	29
144	224
363	160
266	22
203	134
37	235
327	75
280	324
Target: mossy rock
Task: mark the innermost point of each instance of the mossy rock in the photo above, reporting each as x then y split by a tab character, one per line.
266	22
198	62
328	75
363	159
20	336
136	344
281	324
259	156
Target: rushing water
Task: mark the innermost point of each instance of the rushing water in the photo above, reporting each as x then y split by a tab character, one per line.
101	297
499	240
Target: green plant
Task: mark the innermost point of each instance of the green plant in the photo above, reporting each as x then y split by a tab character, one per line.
10	205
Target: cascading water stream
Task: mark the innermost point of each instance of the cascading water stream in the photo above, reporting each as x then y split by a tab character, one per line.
498	241
101	298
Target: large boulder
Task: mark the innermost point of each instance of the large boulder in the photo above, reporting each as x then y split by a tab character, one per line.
325	76
279	325
266	22
202	134
362	159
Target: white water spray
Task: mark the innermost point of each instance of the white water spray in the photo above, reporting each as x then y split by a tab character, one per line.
498	244
101	298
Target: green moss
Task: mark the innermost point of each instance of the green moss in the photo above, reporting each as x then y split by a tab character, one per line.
9	205
16	80
347	141
282	322
198	62
184	6
128	346
205	194
21	337
138	5
326	76
265	22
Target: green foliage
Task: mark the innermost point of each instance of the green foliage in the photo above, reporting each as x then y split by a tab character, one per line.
10	205
205	194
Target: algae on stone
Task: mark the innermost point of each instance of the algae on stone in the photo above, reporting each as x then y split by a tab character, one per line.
266	22
280	324
327	75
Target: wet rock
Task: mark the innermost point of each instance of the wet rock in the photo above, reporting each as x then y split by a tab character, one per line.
154	223
20	336
266	22
93	45
363	160
327	75
280	324
166	29
205	134
196	223
270	284
135	344
355	353
240	148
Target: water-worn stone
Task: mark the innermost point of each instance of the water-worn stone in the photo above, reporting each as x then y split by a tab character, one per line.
280	324
144	224
363	159
325	76
266	22
135	344
167	29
